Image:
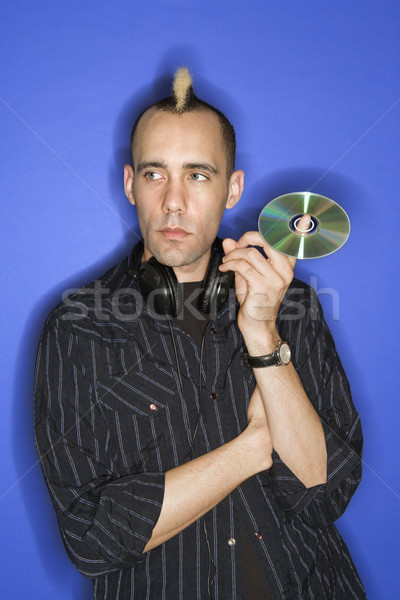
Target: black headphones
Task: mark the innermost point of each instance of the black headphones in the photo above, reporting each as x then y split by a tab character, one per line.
160	282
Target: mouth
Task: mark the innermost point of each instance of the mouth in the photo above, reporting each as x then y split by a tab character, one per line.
174	233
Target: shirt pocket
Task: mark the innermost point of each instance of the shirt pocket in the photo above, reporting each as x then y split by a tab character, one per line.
135	410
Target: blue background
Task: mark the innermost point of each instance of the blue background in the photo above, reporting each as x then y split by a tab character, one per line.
313	90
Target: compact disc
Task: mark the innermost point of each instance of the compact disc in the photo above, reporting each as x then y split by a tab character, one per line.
327	231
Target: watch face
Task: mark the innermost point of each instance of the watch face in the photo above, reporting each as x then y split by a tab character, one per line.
284	353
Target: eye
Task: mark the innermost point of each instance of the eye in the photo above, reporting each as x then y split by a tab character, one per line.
152	175
198	177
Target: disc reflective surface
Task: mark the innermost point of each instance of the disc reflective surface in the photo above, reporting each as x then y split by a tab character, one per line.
328	230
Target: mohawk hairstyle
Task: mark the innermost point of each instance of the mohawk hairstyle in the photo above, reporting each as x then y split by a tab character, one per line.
182	89
182	100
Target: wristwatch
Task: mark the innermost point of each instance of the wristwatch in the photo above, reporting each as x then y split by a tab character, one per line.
280	357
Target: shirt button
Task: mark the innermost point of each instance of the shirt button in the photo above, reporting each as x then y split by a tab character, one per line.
153	407
213	396
231	541
213	330
258	535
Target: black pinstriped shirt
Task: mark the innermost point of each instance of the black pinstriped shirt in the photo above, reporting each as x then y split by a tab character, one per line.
117	398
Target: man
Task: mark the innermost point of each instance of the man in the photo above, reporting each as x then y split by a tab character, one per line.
192	450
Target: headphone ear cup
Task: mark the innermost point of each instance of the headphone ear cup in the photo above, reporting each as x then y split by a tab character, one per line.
160	281
216	286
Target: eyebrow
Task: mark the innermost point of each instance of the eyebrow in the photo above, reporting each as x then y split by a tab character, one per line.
155	164
201	167
151	164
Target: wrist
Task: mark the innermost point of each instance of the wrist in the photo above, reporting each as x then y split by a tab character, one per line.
255	441
264	341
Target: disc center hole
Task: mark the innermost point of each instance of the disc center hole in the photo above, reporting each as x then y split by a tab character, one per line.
295	226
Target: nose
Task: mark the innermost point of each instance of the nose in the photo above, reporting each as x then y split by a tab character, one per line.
174	200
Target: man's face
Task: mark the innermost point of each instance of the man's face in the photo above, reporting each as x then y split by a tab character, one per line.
180	188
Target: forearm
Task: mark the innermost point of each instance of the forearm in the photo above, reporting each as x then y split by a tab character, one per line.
261	283
296	431
194	488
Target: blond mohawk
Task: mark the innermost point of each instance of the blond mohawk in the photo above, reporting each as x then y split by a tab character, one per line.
182	88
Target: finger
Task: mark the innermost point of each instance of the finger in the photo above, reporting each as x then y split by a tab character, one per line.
265	267
253	256
256	280
254	238
279	260
304	223
282	263
251	238
228	244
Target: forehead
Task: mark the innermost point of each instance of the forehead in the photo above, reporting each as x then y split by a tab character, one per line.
190	133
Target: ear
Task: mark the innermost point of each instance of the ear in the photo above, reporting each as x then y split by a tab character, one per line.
128	183
236	185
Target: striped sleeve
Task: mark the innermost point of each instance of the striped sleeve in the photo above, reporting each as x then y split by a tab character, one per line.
323	378
105	518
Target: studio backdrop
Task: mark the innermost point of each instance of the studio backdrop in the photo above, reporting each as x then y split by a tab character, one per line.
313	91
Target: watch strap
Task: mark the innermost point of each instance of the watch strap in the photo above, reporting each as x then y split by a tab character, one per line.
257	362
267	360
